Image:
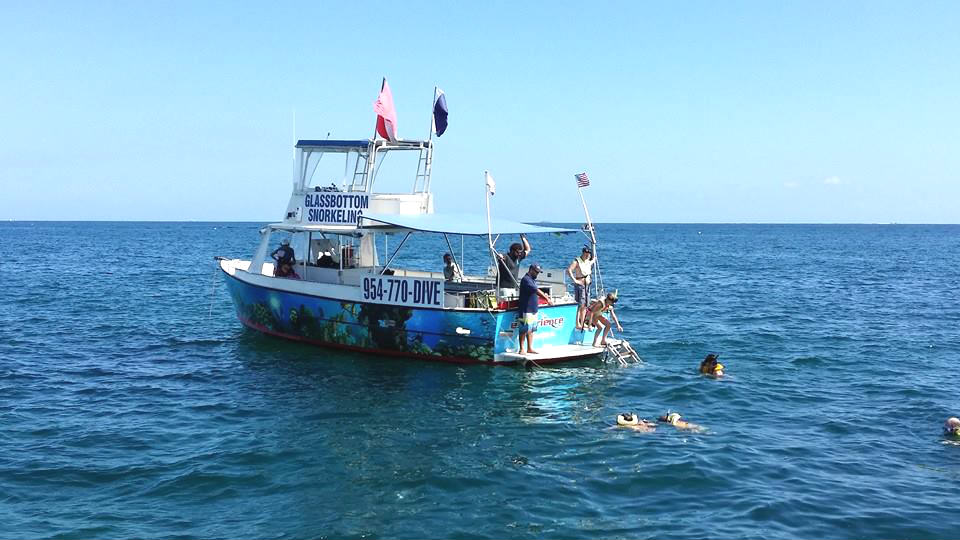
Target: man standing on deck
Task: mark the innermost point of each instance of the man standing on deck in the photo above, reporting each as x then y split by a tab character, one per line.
510	263
579	272
528	304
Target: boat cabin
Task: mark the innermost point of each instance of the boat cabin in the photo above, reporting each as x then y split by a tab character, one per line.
336	230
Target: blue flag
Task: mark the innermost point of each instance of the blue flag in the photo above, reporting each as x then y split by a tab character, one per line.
440	113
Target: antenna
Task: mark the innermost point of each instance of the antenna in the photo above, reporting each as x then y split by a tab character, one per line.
293	147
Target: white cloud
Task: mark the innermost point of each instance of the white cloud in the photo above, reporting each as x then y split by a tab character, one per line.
832	180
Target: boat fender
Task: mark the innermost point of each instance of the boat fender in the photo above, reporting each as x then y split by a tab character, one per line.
627	419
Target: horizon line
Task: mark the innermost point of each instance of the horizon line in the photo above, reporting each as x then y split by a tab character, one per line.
533	222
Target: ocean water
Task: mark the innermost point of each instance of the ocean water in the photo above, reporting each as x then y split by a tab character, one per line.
133	404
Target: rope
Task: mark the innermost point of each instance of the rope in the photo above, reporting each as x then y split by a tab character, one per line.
213	286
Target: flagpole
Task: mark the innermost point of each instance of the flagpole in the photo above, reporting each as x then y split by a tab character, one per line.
433	121
493	253
598	284
382	84
296	179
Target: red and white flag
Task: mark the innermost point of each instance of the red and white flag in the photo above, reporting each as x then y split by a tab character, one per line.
582	180
386	114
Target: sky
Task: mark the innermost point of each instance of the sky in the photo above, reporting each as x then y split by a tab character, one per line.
701	112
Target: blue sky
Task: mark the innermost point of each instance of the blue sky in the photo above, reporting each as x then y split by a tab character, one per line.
681	112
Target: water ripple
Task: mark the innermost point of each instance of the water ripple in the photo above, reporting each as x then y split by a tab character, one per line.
134	404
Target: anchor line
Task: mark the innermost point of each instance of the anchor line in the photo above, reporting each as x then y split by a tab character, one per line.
213	287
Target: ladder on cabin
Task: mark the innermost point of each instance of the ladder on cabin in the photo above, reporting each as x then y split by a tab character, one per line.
622	351
360	173
421	182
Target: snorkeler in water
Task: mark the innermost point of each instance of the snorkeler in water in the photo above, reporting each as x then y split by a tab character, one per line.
711	367
674	420
951	428
634	422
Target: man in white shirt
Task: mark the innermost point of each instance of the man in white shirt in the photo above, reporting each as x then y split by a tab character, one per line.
579	272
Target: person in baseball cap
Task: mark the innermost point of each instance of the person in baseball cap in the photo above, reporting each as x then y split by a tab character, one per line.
528	304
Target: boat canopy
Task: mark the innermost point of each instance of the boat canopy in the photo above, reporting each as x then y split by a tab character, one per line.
359	145
465	224
336	145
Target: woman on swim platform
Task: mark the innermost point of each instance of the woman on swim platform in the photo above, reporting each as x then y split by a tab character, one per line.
597	309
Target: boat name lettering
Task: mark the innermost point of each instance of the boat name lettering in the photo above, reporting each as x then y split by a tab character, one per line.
334	217
335	208
348	202
554	323
403	291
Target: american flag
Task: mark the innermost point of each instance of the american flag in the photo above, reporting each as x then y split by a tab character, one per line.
582	180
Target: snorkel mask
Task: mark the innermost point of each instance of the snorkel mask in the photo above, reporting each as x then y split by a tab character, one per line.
627	419
670	418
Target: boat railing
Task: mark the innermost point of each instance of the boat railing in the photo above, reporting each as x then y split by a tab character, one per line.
474	292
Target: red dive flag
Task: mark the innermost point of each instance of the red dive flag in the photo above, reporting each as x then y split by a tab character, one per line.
386	114
582	180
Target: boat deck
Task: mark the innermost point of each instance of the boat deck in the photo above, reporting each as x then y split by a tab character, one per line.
550	354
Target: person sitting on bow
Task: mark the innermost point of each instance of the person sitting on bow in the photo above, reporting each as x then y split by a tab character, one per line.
283	255
285	270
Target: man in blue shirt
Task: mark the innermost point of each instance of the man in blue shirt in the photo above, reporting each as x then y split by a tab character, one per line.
528	304
284	256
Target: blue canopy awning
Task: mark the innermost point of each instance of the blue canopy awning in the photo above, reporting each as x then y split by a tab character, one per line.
465	224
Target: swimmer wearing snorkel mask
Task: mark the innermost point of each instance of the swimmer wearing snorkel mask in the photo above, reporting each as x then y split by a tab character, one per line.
674	420
951	428
711	367
634	422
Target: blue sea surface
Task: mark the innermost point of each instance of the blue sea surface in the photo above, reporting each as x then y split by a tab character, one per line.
134	404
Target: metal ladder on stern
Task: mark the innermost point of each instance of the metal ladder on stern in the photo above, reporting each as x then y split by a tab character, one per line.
621	350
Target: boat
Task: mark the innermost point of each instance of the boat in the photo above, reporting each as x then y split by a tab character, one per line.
347	293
